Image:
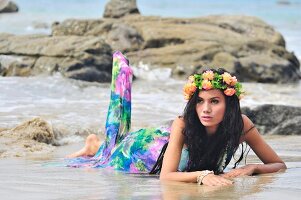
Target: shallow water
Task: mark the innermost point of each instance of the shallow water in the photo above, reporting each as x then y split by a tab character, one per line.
77	108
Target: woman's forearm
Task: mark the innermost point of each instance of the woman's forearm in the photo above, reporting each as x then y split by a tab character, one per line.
268	168
189	177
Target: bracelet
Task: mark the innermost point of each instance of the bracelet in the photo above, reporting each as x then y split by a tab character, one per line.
202	175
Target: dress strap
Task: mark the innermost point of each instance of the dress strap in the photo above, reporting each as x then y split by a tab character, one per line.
249	129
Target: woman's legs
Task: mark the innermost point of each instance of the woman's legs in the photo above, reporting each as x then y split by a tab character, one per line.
92	145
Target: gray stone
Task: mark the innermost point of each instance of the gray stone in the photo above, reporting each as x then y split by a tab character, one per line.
8	7
120	36
245	46
90	74
40	54
275	119
36	129
33	137
267	69
120	8
288	127
16	65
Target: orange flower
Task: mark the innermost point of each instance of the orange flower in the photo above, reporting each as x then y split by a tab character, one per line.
233	80
206	85
229	91
188	90
208	75
227	78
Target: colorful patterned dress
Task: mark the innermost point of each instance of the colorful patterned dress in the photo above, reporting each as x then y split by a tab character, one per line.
133	152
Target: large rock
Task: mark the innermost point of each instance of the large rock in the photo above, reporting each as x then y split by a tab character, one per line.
120	8
40	54
243	45
120	36
8	6
36	129
32	137
276	119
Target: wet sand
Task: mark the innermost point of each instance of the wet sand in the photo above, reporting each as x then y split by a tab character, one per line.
43	178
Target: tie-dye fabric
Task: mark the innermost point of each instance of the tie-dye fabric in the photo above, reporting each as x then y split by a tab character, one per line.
134	152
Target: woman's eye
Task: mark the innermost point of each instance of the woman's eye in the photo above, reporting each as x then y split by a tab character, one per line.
214	101
200	100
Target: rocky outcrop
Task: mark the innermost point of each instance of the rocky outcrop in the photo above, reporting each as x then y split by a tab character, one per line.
31	137
35	129
245	46
8	7
121	36
120	8
276	119
85	58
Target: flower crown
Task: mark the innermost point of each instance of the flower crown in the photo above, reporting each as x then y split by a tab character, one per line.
212	80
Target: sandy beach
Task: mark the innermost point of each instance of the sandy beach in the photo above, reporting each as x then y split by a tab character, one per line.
42	178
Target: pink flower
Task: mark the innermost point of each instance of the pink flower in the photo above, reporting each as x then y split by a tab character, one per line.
230	91
206	85
233	81
208	75
227	78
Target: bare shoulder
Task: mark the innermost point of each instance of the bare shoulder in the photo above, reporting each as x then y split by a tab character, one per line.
178	122
248	127
248	124
177	129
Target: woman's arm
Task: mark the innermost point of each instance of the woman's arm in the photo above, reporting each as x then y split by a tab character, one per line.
272	162
172	158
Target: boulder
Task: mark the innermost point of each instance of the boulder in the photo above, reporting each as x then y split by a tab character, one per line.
245	46
8	6
33	137
120	8
40	54
121	36
275	119
36	129
288	127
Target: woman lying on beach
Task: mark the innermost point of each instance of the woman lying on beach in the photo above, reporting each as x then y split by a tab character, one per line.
196	148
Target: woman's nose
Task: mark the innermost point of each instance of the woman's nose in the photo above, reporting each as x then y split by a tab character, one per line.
207	108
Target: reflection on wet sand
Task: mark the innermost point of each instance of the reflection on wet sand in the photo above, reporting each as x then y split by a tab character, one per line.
242	186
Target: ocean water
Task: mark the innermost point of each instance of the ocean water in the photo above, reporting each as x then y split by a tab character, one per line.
36	16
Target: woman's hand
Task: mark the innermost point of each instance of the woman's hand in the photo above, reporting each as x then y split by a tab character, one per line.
215	180
242	171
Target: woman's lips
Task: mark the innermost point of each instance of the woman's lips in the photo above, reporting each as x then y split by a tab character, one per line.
206	118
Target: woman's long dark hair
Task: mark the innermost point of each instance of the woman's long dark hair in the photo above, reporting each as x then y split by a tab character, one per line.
206	150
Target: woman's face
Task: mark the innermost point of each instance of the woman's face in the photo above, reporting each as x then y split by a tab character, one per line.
211	106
